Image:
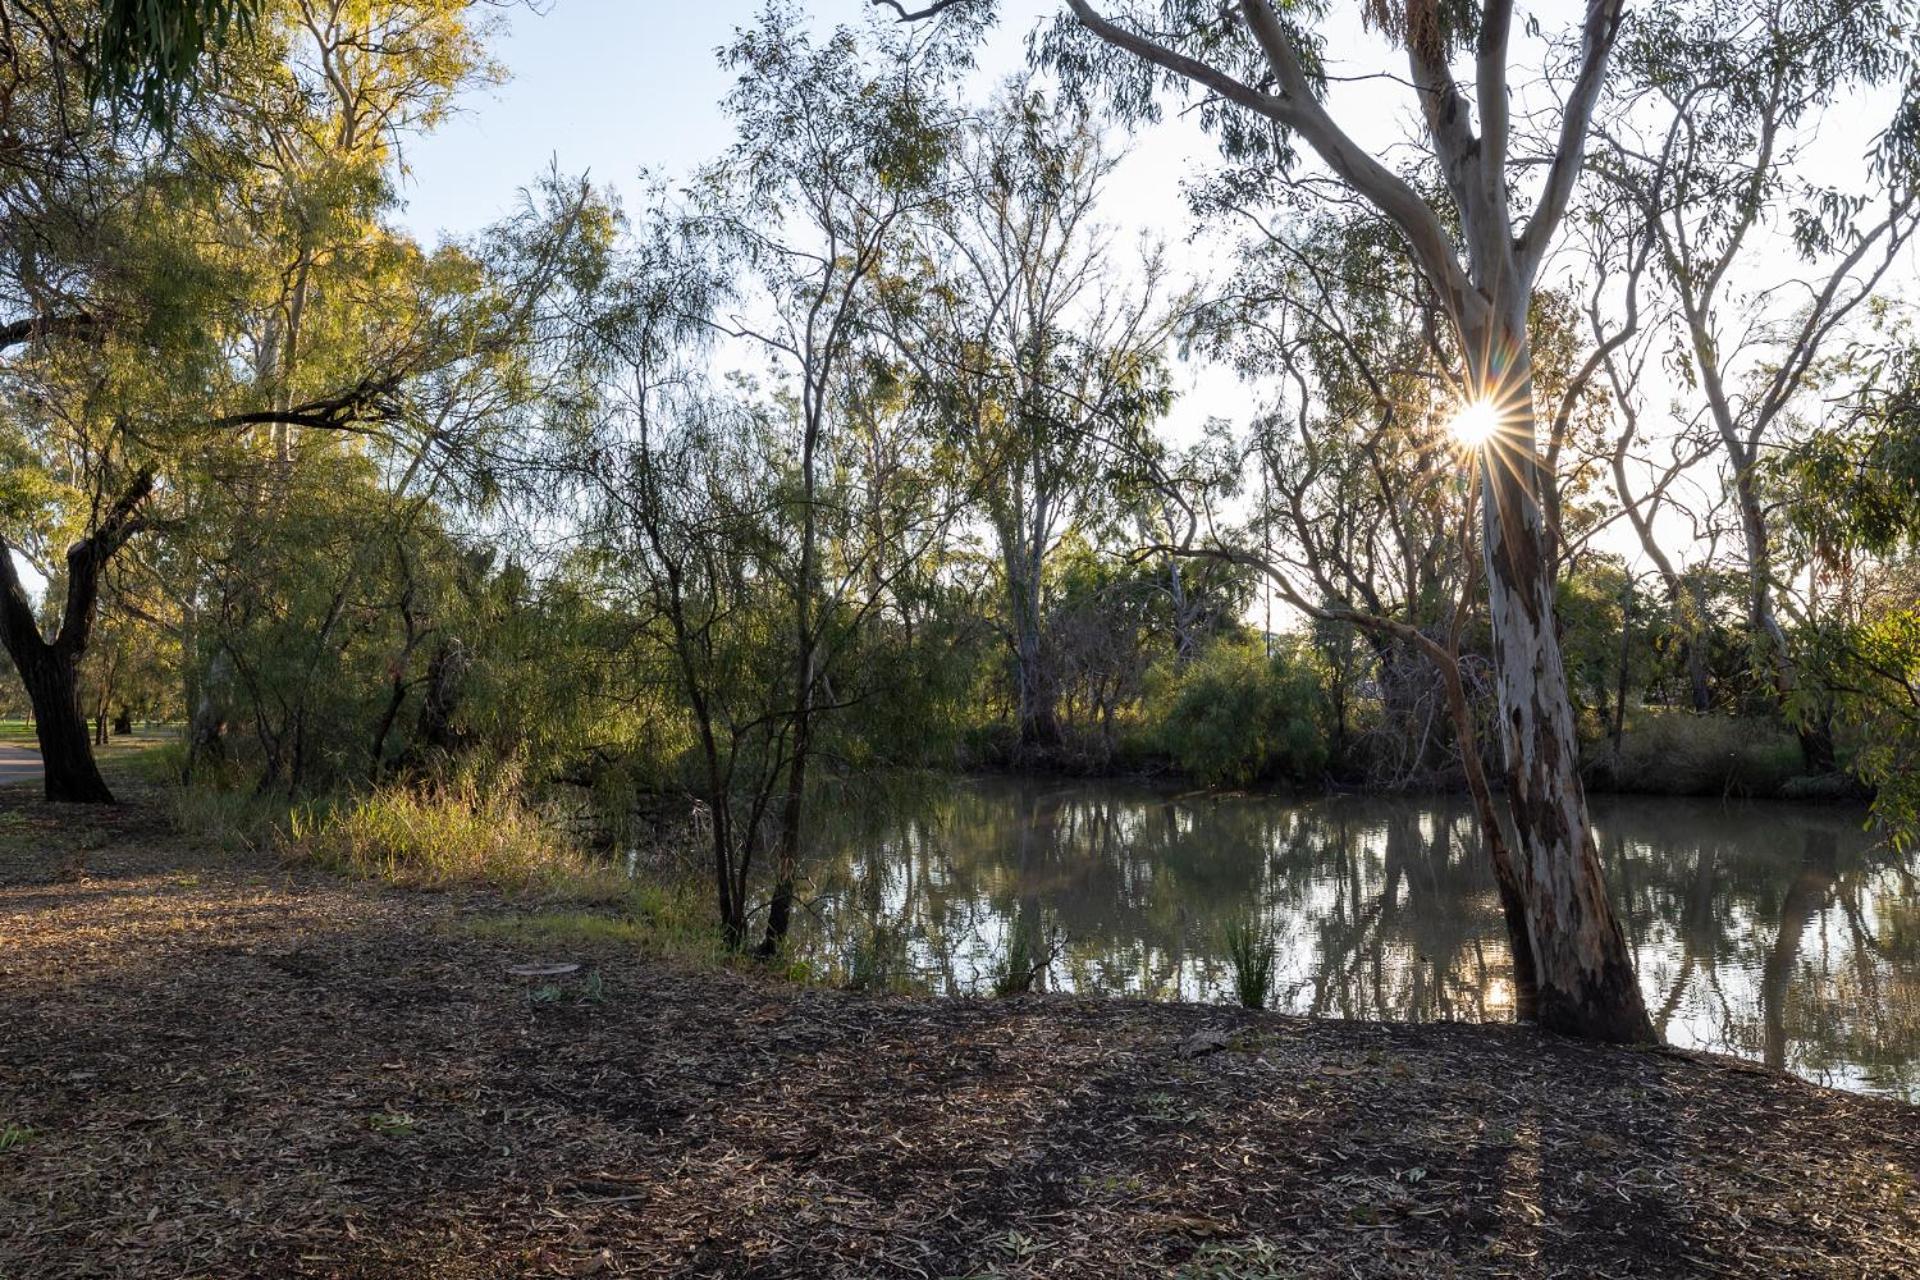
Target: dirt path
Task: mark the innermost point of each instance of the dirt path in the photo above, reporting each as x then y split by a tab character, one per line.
18	764
220	1069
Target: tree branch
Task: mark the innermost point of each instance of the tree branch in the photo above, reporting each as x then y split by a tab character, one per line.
1602	25
34	328
87	557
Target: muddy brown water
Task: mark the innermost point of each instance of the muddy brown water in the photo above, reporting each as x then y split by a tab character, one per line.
1775	932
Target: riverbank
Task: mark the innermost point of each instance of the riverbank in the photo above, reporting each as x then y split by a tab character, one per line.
1663	752
215	1066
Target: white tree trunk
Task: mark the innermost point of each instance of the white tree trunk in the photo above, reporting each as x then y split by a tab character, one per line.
1585	975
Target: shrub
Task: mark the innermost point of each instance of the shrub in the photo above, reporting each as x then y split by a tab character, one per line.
1682	754
1235	716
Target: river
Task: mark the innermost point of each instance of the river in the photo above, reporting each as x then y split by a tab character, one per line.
1775	932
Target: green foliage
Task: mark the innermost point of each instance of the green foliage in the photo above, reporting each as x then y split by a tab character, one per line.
1251	952
1666	752
1234	716
1878	671
880	960
150	51
1858	489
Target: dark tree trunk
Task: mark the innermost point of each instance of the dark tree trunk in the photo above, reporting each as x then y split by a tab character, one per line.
1035	698
1038	707
123	723
1816	745
786	857
207	726
806	680
435	732
49	668
53	687
377	749
1697	672
446	674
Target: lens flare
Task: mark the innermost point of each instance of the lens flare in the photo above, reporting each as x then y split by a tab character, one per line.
1476	423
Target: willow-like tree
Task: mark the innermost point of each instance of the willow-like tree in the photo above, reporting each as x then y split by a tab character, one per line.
841	144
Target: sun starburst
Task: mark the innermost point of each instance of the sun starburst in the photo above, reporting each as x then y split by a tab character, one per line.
1475	424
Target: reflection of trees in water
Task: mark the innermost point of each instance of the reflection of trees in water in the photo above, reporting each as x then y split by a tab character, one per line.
1766	931
1775	932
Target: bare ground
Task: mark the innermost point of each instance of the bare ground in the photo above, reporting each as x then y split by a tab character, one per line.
212	1067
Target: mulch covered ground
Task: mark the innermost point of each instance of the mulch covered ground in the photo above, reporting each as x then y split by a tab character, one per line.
223	1069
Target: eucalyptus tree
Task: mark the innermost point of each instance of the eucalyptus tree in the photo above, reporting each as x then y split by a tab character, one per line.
1049	363
1363	520
1360	497
1715	144
1627	333
1480	242
1851	492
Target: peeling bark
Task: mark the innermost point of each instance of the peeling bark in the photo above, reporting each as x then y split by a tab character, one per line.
1586	980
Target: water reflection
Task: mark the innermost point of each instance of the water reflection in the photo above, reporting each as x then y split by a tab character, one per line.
1775	932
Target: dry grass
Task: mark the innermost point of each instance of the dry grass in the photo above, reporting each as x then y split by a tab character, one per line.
219	1066
441	837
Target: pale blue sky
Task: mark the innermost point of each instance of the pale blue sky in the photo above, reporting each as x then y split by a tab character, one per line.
609	87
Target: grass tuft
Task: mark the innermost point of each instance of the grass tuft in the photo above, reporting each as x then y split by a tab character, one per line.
1025	961
1251	951
880	960
230	821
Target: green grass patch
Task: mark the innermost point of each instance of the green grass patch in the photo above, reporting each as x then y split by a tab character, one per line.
673	921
